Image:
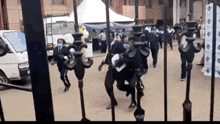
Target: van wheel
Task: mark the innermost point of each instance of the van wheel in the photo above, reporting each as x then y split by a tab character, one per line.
3	78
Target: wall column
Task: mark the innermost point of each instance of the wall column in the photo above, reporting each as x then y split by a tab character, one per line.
187	8
1	18
178	11
175	12
204	3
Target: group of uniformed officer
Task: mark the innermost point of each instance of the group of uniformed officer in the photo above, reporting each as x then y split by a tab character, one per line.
155	38
122	70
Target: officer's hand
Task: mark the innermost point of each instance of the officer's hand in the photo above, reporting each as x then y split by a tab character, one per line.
65	57
100	67
113	66
61	56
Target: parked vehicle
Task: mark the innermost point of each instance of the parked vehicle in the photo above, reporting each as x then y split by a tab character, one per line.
14	64
55	28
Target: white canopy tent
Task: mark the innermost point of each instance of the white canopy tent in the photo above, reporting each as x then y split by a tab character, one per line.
94	11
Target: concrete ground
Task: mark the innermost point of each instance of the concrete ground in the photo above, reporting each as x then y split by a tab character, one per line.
18	105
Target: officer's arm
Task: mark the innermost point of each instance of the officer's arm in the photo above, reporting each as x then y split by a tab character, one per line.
55	54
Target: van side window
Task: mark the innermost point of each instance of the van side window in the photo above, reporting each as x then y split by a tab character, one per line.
2	42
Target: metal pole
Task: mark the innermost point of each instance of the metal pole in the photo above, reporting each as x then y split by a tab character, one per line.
165	60
38	63
213	63
191	10
187	105
136	12
16	87
1	112
75	16
109	52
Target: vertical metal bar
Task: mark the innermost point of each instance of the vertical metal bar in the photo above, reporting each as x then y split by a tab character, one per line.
109	52
76	17
1	112
82	101
36	48
136	12
165	60
52	30
213	63
191	10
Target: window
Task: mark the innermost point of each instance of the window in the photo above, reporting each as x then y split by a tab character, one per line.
80	1
17	40
160	2
140	2
2	42
132	2
125	2
60	28
148	3
58	2
182	3
170	3
149	21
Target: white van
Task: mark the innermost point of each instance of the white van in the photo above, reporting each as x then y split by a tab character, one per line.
55	28
14	65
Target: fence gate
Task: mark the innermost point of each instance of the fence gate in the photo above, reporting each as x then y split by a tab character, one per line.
41	89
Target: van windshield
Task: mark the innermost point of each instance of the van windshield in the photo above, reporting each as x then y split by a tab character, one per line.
17	40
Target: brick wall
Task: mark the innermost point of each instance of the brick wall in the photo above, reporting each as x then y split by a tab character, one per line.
155	13
50	8
15	13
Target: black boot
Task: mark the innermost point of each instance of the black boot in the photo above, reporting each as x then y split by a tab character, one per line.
114	104
132	105
66	88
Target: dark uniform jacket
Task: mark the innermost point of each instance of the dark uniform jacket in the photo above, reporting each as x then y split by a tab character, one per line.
59	55
154	40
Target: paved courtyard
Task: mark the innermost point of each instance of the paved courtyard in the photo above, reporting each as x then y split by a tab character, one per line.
18	105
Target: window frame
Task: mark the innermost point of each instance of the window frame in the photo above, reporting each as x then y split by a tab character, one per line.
150	4
124	2
64	3
160	2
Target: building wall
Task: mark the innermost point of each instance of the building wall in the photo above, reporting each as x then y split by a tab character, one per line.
14	14
1	18
50	8
197	9
155	13
183	11
14	11
117	6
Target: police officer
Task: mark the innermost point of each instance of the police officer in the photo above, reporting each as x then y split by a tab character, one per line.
153	39
171	33
60	54
120	75
102	37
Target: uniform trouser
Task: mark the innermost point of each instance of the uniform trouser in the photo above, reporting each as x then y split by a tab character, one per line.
95	44
170	42
144	62
202	61
103	46
183	64
63	75
154	53
120	85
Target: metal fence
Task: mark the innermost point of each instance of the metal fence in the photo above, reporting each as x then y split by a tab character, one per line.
41	89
